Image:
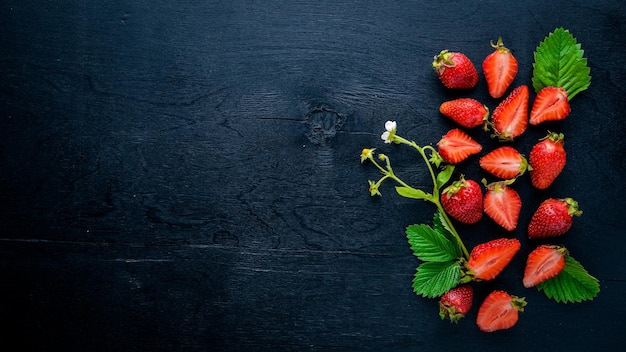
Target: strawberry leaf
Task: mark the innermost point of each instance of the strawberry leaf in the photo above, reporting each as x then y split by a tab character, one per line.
573	284
428	244
433	279
559	62
444	176
441	226
413	193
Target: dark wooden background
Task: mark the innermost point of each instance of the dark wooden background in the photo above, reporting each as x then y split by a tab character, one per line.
185	176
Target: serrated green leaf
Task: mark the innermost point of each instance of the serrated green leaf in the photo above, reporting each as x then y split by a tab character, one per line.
559	62
430	245
433	279
442	227
412	193
444	175
574	284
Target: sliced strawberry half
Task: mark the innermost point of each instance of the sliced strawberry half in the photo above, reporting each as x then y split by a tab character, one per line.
504	162
456	146
510	117
543	263
500	68
502	204
499	311
551	104
488	259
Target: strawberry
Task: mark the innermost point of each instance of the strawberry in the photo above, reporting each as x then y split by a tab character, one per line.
551	104
543	263
488	259
504	162
455	70
553	218
500	68
463	200
455	303
456	146
510	117
547	160
503	204
467	112
499	311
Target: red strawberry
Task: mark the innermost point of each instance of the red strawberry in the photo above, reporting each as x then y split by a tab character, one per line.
553	217
547	160
504	162
544	263
455	303
510	117
499	311
467	112
456	146
500	68
463	200
488	259
551	104
503	204
455	70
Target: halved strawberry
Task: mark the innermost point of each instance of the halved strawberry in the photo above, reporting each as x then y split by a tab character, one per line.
551	104
543	263
502	204
488	259
510	117
500	68
467	112
455	303
499	311
456	146
504	162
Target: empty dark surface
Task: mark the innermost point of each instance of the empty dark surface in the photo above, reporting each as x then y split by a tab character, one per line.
185	176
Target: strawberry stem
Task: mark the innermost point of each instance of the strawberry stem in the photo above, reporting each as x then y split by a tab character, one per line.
434	198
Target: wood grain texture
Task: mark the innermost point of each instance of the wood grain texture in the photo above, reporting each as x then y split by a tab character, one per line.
182	176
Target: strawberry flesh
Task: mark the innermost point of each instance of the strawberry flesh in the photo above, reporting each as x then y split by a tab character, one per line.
488	259
500	68
543	263
551	104
510	117
499	311
502	204
504	162
456	146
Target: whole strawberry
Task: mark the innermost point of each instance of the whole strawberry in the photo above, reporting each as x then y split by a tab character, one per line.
455	70
455	303
553	218
463	200
547	159
467	112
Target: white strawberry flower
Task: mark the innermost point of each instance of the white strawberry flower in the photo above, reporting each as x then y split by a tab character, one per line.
390	133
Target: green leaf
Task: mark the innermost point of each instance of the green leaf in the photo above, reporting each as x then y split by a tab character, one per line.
559	62
442	227
444	176
430	245
413	193
433	279
573	284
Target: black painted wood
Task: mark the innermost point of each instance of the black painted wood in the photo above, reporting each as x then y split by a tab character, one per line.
185	175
